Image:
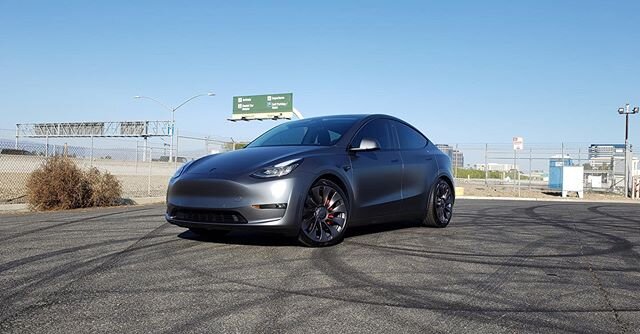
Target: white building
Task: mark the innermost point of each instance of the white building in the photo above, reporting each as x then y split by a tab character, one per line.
496	167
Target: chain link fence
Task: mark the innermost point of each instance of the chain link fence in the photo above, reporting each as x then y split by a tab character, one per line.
143	168
535	168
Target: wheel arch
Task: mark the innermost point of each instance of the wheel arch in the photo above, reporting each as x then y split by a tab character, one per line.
338	181
447	178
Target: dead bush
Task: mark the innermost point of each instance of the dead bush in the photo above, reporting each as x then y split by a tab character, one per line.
105	188
59	184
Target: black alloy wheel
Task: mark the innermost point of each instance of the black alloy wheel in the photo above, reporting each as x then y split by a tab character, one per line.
324	216
440	206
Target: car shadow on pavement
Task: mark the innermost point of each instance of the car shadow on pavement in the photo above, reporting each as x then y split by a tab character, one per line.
278	240
243	238
355	231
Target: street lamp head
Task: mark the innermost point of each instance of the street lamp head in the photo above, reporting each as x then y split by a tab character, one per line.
636	110
137	97
211	94
620	111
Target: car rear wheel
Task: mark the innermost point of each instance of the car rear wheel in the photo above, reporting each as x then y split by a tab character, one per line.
440	205
324	215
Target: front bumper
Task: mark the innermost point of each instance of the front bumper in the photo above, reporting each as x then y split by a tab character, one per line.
202	201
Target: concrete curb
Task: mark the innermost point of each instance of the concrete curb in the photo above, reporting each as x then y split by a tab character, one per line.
565	200
12	208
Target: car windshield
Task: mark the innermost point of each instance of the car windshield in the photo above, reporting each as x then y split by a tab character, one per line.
307	132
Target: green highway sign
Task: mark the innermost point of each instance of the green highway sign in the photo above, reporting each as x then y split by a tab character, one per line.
263	104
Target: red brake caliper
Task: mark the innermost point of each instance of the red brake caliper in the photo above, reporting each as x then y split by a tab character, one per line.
330	219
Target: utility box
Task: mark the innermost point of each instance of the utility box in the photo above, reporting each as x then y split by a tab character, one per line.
556	163
573	180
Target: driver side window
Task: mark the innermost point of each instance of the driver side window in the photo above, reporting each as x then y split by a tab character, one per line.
379	130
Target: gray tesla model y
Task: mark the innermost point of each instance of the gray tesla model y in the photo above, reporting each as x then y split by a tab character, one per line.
314	178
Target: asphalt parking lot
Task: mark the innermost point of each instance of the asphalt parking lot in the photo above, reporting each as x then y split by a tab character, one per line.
500	267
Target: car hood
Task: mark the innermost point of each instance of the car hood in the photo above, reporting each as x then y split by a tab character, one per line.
247	160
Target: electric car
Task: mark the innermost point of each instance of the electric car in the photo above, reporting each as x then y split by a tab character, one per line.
315	178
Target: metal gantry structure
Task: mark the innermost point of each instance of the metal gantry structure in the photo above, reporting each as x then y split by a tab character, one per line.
94	129
127	129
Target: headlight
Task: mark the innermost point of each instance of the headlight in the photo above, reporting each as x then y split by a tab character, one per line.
278	170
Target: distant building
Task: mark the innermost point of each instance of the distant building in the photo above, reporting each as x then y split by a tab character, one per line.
494	167
605	154
457	157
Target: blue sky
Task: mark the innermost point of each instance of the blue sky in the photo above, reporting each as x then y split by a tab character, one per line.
461	71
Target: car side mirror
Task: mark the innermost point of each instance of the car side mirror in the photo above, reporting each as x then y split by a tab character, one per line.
366	144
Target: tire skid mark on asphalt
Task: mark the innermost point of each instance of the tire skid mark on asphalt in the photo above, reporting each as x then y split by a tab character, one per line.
598	282
39	257
75	221
62	216
197	319
620	245
270	314
596	279
320	294
277	293
597	209
497	279
494	282
335	266
47	301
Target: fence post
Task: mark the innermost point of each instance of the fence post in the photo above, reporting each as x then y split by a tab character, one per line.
145	150
486	164
515	152
530	160
455	163
17	136
46	149
579	156
136	157
518	172
91	159
149	176
175	162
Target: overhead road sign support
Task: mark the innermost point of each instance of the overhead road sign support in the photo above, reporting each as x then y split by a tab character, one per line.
128	129
264	107
95	129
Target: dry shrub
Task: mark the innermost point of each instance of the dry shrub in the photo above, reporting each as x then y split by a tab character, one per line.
59	184
105	188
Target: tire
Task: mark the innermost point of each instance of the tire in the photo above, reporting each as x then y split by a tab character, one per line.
324	215
440	205
209	234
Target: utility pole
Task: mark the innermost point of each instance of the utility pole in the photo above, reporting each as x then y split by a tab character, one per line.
626	110
172	129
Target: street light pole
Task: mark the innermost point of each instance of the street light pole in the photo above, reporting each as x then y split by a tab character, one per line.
173	118
626	110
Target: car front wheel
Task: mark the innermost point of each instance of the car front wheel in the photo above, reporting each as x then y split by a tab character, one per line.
324	215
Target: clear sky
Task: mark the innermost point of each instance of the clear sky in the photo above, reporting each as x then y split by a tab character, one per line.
461	71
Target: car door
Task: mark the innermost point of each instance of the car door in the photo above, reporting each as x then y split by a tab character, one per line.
419	167
377	175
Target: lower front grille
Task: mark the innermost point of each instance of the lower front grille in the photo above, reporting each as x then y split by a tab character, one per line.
208	216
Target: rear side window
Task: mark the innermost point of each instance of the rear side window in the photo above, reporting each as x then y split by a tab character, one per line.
409	138
379	130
